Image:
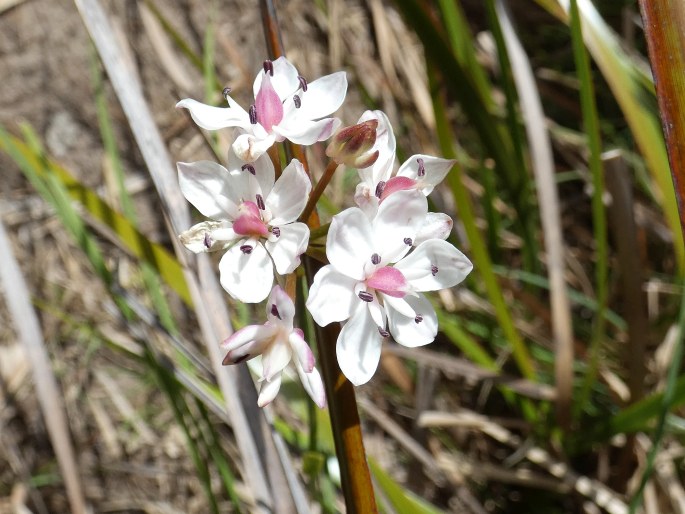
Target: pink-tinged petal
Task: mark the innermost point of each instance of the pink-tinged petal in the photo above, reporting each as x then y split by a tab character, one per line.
331	296
359	347
396	184
268	391
215	118
284	79
268	105
263	179
385	144
289	194
280	309
429	171
323	96
437	225
207	185
388	280
303	132
247	277
249	147
350	243
249	222
416	330
397	222
435	264
208	236
313	384
287	248
276	356
302	352
248	342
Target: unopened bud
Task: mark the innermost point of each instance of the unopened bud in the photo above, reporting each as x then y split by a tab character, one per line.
352	145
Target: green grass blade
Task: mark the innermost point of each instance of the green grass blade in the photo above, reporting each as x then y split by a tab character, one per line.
402	501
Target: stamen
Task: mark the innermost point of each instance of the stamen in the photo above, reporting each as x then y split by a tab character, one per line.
418	319
226	92
383	332
276	231
379	188
260	202
241	359
274	311
365	296
422	167
253	114
303	82
250	168
208	240
375	258
298	102
246	249
269	67
434	269
408	241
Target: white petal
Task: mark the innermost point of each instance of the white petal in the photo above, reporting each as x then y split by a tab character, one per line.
207	236
350	243
301	351
249	147
284	79
435	170
286	250
323	97
385	144
399	217
398	304
313	384
331	296
406	331
214	118
303	132
269	390
417	267
247	277
264	176
359	347
276	356
437	225
285	308
248	342
207	185
289	195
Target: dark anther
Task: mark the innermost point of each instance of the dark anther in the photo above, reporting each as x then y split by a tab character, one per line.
246	249
418	319
250	168
298	102
383	332
269	67
303	82
208	240
379	188
408	241
226	92
422	167
365	296
274	311
260	202
253	114
276	231
375	258
241	359
434	269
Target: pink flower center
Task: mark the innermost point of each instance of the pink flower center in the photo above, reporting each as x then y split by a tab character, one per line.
388	280
268	105
249	222
397	184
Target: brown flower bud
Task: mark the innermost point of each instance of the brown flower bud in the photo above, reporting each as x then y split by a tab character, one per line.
352	145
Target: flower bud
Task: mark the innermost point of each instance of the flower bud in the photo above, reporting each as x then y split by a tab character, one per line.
352	145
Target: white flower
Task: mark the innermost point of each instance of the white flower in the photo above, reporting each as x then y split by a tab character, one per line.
373	282
278	343
286	107
254	220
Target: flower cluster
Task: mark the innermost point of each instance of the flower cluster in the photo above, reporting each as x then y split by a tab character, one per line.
383	254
